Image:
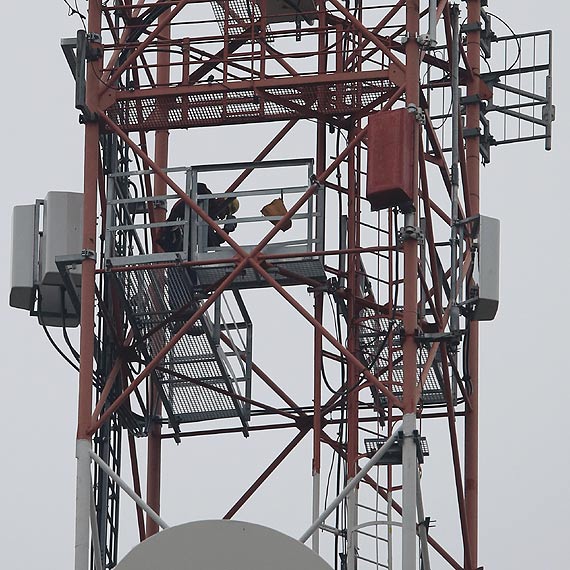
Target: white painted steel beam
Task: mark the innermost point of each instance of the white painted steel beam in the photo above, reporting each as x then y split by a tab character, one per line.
123	485
351	485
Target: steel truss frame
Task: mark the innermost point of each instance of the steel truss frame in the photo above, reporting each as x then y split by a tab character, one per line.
143	76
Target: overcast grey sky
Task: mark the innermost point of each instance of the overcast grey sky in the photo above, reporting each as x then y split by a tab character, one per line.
524	464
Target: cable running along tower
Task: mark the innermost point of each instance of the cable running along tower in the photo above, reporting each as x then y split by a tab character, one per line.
358	210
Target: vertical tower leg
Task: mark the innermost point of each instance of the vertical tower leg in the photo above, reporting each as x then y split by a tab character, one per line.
317	419
352	533
410	317
472	414
319	299
154	459
89	241
409	491
82	504
352	376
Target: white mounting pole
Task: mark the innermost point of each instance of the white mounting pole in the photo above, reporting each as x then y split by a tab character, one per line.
390	523
432	32
351	485
82	504
352	529
316	508
95	533
409	490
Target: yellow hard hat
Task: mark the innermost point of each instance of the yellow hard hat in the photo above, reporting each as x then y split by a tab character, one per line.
233	206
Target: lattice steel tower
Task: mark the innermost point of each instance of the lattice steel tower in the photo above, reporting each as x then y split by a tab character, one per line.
359	207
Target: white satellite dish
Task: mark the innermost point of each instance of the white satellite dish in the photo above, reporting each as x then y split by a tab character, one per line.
221	545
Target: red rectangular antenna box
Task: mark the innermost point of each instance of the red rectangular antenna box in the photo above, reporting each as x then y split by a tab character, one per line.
390	158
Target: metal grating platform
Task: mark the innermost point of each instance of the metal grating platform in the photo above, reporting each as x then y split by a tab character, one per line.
393	456
133	112
295	272
193	357
197	380
387	362
244	13
241	15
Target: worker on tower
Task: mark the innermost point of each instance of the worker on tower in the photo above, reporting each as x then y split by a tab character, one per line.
171	238
219	209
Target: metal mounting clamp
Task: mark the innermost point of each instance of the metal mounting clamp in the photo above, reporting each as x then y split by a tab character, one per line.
93	53
418	112
93	37
411	232
159	204
87	117
471	27
425	41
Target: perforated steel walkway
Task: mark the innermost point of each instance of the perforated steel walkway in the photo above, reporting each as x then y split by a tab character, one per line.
271	100
195	376
387	362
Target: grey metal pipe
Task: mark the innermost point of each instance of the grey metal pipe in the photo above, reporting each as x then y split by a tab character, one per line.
549	106
422	530
432	35
316	505
351	485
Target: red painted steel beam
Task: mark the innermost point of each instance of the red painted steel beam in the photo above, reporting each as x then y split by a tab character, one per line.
361	28
277	426
136	484
321	154
236	430
410	246
473	176
261	257
168	346
249	84
270	469
358	51
89	244
204	216
109	382
87	318
353	368
264	377
227	281
263	154
396	506
456	460
430	237
112	75
317	385
435	346
346	353
154	405
226	392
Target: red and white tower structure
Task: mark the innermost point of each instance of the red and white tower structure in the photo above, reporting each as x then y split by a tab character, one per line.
358	193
